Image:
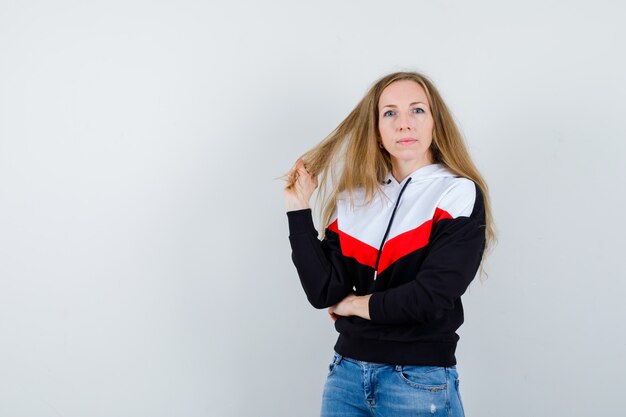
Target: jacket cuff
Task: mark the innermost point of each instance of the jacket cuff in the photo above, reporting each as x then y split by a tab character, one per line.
375	307
301	222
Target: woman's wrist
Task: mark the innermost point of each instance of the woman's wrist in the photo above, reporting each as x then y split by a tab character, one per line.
360	306
297	207
293	205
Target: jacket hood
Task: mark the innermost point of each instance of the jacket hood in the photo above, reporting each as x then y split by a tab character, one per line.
426	172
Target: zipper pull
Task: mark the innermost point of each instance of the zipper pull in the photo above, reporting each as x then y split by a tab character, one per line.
375	274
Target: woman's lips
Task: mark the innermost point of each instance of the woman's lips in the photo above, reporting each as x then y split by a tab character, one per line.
407	141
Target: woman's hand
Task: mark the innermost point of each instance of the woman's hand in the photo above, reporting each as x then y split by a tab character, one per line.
352	305
300	187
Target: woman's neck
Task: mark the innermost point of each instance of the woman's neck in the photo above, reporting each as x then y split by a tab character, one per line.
401	169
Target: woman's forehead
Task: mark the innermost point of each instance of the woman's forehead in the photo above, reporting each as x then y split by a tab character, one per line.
402	92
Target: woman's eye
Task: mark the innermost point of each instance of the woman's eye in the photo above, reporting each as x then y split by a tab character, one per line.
418	110
388	113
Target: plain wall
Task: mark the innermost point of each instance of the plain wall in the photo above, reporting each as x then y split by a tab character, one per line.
145	269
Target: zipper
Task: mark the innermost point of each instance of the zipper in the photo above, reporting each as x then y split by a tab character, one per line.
393	214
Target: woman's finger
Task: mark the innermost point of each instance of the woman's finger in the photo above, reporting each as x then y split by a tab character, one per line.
302	167
302	170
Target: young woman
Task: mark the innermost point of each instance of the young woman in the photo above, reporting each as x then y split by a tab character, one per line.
407	221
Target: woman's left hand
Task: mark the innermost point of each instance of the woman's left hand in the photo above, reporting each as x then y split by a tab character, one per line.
352	305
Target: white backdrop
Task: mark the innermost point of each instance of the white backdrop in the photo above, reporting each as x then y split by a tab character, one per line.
145	268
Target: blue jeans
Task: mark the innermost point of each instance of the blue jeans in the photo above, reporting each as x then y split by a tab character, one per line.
357	388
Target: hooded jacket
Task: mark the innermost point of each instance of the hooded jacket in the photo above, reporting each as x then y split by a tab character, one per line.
415	248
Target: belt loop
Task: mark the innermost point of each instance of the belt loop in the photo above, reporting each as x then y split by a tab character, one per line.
338	358
399	368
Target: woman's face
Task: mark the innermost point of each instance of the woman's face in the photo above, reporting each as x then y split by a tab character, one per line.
406	124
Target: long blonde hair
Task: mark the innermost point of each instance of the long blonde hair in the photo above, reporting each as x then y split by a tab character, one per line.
350	158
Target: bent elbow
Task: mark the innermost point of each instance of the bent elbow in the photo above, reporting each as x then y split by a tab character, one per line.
329	298
440	310
319	302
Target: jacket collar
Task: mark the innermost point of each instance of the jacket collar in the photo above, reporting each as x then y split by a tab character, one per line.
425	172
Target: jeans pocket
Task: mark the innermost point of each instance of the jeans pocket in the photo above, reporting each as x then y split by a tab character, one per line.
429	378
456	403
458	392
333	364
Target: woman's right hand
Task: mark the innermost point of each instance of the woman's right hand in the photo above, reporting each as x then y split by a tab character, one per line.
300	187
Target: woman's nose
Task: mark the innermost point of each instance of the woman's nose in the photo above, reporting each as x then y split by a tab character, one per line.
403	122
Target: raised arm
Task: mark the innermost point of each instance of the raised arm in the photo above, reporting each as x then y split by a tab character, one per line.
319	264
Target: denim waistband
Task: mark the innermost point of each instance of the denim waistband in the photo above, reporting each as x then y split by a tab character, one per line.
337	358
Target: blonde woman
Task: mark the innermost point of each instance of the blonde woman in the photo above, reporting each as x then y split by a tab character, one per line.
406	220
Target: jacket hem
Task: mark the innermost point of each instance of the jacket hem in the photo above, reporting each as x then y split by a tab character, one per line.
419	353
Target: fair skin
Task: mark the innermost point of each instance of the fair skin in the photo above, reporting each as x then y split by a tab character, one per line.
405	125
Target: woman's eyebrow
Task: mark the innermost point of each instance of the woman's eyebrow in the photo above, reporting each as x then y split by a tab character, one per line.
394	106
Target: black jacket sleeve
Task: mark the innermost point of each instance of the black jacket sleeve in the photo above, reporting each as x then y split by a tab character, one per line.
319	264
455	251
